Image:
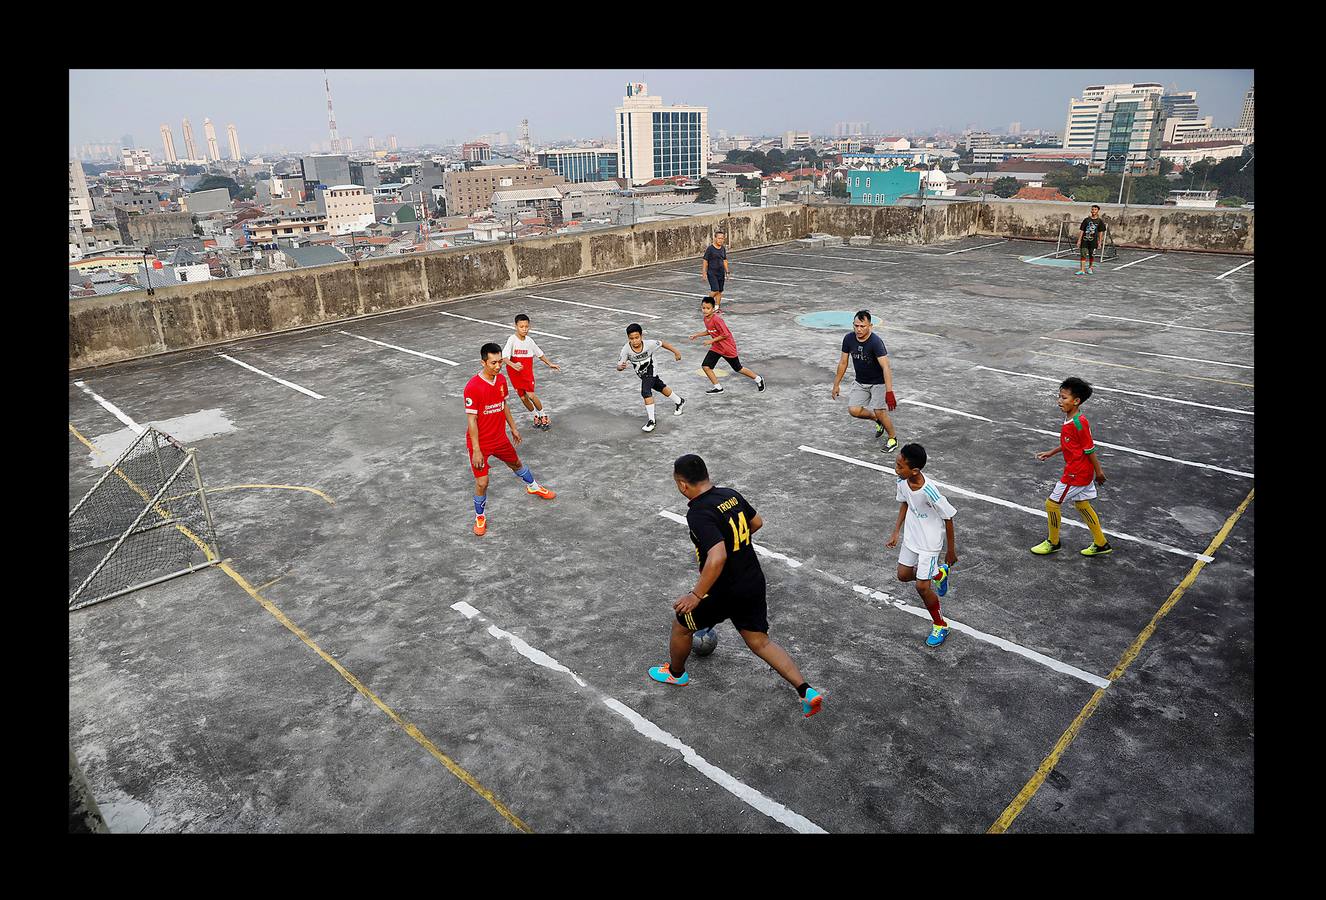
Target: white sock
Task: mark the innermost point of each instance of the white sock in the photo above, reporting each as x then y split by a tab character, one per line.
544	411
676	398
649	410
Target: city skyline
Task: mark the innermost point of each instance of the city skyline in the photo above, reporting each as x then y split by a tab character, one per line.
447	105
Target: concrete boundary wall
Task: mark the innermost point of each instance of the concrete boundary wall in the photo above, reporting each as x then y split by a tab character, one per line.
125	326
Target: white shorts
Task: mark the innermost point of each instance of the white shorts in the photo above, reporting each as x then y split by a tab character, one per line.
925	563
1064	493
867	396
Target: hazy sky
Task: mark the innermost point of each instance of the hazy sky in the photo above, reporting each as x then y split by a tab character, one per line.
287	106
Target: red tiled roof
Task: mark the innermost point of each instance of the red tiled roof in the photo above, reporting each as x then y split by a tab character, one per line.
1040	193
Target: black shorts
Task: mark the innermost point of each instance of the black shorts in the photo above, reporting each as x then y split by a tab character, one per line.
1088	251
744	604
716	280
649	385
711	359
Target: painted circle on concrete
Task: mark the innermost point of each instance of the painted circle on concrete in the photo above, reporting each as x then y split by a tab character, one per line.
1066	263
830	318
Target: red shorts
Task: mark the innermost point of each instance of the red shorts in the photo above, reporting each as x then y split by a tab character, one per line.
522	382
503	451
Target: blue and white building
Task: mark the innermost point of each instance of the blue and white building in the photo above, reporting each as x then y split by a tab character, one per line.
657	141
581	164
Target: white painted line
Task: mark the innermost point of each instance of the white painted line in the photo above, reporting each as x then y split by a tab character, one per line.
289	384
823	256
742	791
1235	269
743	278
1213	362
892	250
921	612
697	294
1169	325
500	325
1011	505
1043	256
593	306
110	408
956	412
797	268
1048	661
763	551
981	247
1055	434
402	349
1241	412
1136	261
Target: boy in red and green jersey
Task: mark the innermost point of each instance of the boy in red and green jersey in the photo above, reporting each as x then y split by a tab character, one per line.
1082	472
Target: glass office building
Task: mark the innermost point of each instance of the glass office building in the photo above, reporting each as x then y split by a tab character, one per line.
581	164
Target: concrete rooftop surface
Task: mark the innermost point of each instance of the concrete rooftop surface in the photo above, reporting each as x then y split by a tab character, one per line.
364	663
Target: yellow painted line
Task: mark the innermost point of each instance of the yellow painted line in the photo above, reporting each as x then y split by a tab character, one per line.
283	487
469	780
202	545
1140	369
1042	772
358	685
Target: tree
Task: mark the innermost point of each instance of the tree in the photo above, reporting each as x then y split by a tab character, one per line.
777	158
1231	201
743	182
708	192
1166	166
1148	189
838	188
1005	187
209	182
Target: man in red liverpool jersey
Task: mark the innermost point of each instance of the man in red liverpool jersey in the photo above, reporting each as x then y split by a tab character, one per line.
487	420
1082	471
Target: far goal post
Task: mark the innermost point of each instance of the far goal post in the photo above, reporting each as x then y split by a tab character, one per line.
1066	243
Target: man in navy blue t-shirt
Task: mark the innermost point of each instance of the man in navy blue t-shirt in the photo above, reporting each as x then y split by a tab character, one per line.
873	391
714	267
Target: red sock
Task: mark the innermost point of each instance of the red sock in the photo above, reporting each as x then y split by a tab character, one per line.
934	612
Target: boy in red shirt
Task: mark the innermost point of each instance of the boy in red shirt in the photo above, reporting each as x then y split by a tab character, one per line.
721	345
487	420
519	355
1080	465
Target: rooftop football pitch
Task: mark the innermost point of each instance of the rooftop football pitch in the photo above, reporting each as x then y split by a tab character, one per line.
363	662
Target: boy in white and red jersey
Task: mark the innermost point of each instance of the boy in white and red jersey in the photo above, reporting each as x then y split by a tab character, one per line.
722	345
487	419
519	354
1082	471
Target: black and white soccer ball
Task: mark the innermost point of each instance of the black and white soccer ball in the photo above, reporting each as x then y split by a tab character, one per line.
704	642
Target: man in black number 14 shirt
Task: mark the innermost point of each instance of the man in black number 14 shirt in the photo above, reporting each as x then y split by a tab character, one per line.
731	583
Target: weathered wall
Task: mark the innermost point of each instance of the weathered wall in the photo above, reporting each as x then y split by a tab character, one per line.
124	326
178	317
1156	227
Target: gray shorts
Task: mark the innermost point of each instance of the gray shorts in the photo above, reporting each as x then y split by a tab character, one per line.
868	396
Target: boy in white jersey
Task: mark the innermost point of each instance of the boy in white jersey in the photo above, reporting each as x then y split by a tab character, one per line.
640	354
519	354
923	508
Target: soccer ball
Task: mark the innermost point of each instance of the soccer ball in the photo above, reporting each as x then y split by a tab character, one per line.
704	642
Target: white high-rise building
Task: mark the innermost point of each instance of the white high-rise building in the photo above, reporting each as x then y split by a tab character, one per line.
1245	120
135	160
654	141
391	142
213	151
796	140
168	144
189	147
233	137
80	201
1083	113
372	142
1178	130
